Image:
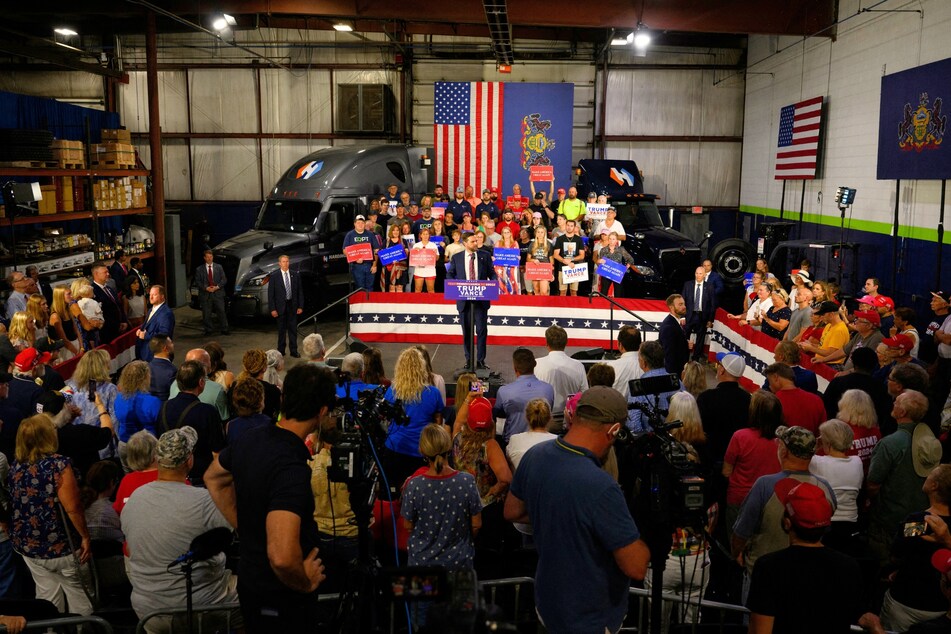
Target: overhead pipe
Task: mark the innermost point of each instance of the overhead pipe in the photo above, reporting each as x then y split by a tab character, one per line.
155	147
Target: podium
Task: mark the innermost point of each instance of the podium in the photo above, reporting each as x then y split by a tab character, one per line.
472	291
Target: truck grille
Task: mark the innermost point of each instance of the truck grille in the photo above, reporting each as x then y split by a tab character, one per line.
678	266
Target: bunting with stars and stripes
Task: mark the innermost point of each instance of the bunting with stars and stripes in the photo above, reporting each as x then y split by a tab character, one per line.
513	320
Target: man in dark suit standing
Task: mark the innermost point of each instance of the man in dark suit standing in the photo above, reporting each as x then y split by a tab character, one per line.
672	336
713	278
119	269
473	264
116	322
210	279
701	304
44	287
160	320
285	298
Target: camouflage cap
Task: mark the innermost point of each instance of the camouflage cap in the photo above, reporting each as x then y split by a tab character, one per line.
798	440
175	446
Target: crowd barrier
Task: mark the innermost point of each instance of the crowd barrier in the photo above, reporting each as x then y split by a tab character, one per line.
121	351
69	623
513	319
729	336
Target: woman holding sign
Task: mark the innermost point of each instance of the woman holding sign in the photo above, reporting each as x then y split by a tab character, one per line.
541	254
618	254
422	258
394	276
507	274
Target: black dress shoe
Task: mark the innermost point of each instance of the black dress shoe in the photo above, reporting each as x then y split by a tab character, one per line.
482	366
295	355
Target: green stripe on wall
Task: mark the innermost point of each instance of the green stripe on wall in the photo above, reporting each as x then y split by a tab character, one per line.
884	228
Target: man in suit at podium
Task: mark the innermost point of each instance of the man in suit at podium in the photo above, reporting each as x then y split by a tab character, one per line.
701	302
473	264
210	279
159	321
285	298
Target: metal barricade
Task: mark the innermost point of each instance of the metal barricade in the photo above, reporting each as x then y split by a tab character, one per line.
54	625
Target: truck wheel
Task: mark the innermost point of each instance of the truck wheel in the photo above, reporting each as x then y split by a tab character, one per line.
732	259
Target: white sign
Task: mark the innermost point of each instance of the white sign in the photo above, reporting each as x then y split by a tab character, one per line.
596	212
578	273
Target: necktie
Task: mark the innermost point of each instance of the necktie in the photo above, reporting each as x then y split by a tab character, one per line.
211	277
287	284
472	266
696	297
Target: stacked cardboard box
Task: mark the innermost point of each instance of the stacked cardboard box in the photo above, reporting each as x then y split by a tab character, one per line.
139	198
116	193
116	136
69	153
112	155
47	204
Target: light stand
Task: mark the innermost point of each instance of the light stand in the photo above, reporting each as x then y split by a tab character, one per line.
202	548
18	197
844	197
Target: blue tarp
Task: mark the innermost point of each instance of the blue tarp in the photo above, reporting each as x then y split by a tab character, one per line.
64	120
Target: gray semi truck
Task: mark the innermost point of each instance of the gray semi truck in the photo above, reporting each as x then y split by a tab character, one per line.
311	208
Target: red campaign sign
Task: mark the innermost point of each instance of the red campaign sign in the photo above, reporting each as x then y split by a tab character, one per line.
422	258
541	173
516	204
362	251
541	271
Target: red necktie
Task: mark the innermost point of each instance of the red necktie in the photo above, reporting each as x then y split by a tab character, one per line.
472	269
211	278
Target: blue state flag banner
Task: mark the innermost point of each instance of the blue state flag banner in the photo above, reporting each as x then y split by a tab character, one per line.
392	254
612	270
505	257
577	273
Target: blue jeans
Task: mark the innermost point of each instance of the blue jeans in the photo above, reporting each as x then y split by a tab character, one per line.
362	277
9	588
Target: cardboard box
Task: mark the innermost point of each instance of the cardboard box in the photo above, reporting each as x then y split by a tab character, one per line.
62	144
47	205
118	135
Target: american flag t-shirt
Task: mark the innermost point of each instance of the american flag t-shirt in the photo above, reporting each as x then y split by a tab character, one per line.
468	134
797	148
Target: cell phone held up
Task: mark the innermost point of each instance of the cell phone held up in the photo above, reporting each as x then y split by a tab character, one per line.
92	391
916	526
478	387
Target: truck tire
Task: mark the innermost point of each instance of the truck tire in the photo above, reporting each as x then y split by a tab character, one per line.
732	259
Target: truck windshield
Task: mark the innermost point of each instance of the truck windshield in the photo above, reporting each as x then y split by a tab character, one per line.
297	216
641	215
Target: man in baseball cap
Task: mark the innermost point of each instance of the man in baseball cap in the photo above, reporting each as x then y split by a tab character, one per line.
587	527
829	582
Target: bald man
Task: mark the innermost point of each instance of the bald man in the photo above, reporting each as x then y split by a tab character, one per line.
213	394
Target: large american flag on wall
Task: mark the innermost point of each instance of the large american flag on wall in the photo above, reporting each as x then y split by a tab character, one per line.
797	148
468	134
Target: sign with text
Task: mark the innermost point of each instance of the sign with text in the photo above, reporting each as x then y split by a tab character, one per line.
392	254
544	173
439	210
596	211
612	270
422	258
574	274
505	257
471	290
439	240
362	252
541	271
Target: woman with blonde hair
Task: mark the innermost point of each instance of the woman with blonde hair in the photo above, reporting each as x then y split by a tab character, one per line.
92	372
254	364
135	408
39	479
422	404
425	274
65	325
39	310
538	416
844	473
508	274
22	331
80	290
857	410
693	379
540	252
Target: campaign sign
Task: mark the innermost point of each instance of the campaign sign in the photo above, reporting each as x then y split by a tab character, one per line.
505	257
391	207
422	258
544	173
437	240
439	210
392	254
541	271
612	270
362	251
596	212
409	241
473	290
578	273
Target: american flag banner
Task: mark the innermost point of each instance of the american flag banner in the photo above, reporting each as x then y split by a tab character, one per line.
518	320
797	148
468	134
757	349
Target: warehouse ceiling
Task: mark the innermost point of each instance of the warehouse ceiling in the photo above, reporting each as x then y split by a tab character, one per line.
26	32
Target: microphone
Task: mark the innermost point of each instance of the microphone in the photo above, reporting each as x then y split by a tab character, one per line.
207	545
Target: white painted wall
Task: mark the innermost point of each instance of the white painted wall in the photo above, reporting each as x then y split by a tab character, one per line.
848	72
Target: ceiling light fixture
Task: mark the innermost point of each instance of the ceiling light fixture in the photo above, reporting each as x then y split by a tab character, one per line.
641	39
223	22
343	27
65	31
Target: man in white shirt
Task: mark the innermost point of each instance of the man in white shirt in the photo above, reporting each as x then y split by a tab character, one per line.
565	374
627	366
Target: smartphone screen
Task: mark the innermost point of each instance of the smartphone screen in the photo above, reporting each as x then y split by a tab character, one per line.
92	391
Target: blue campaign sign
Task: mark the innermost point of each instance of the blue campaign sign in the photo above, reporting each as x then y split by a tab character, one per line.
392	254
612	270
474	290
437	239
912	124
505	257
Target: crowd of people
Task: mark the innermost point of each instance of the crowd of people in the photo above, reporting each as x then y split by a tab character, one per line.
553	228
839	498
